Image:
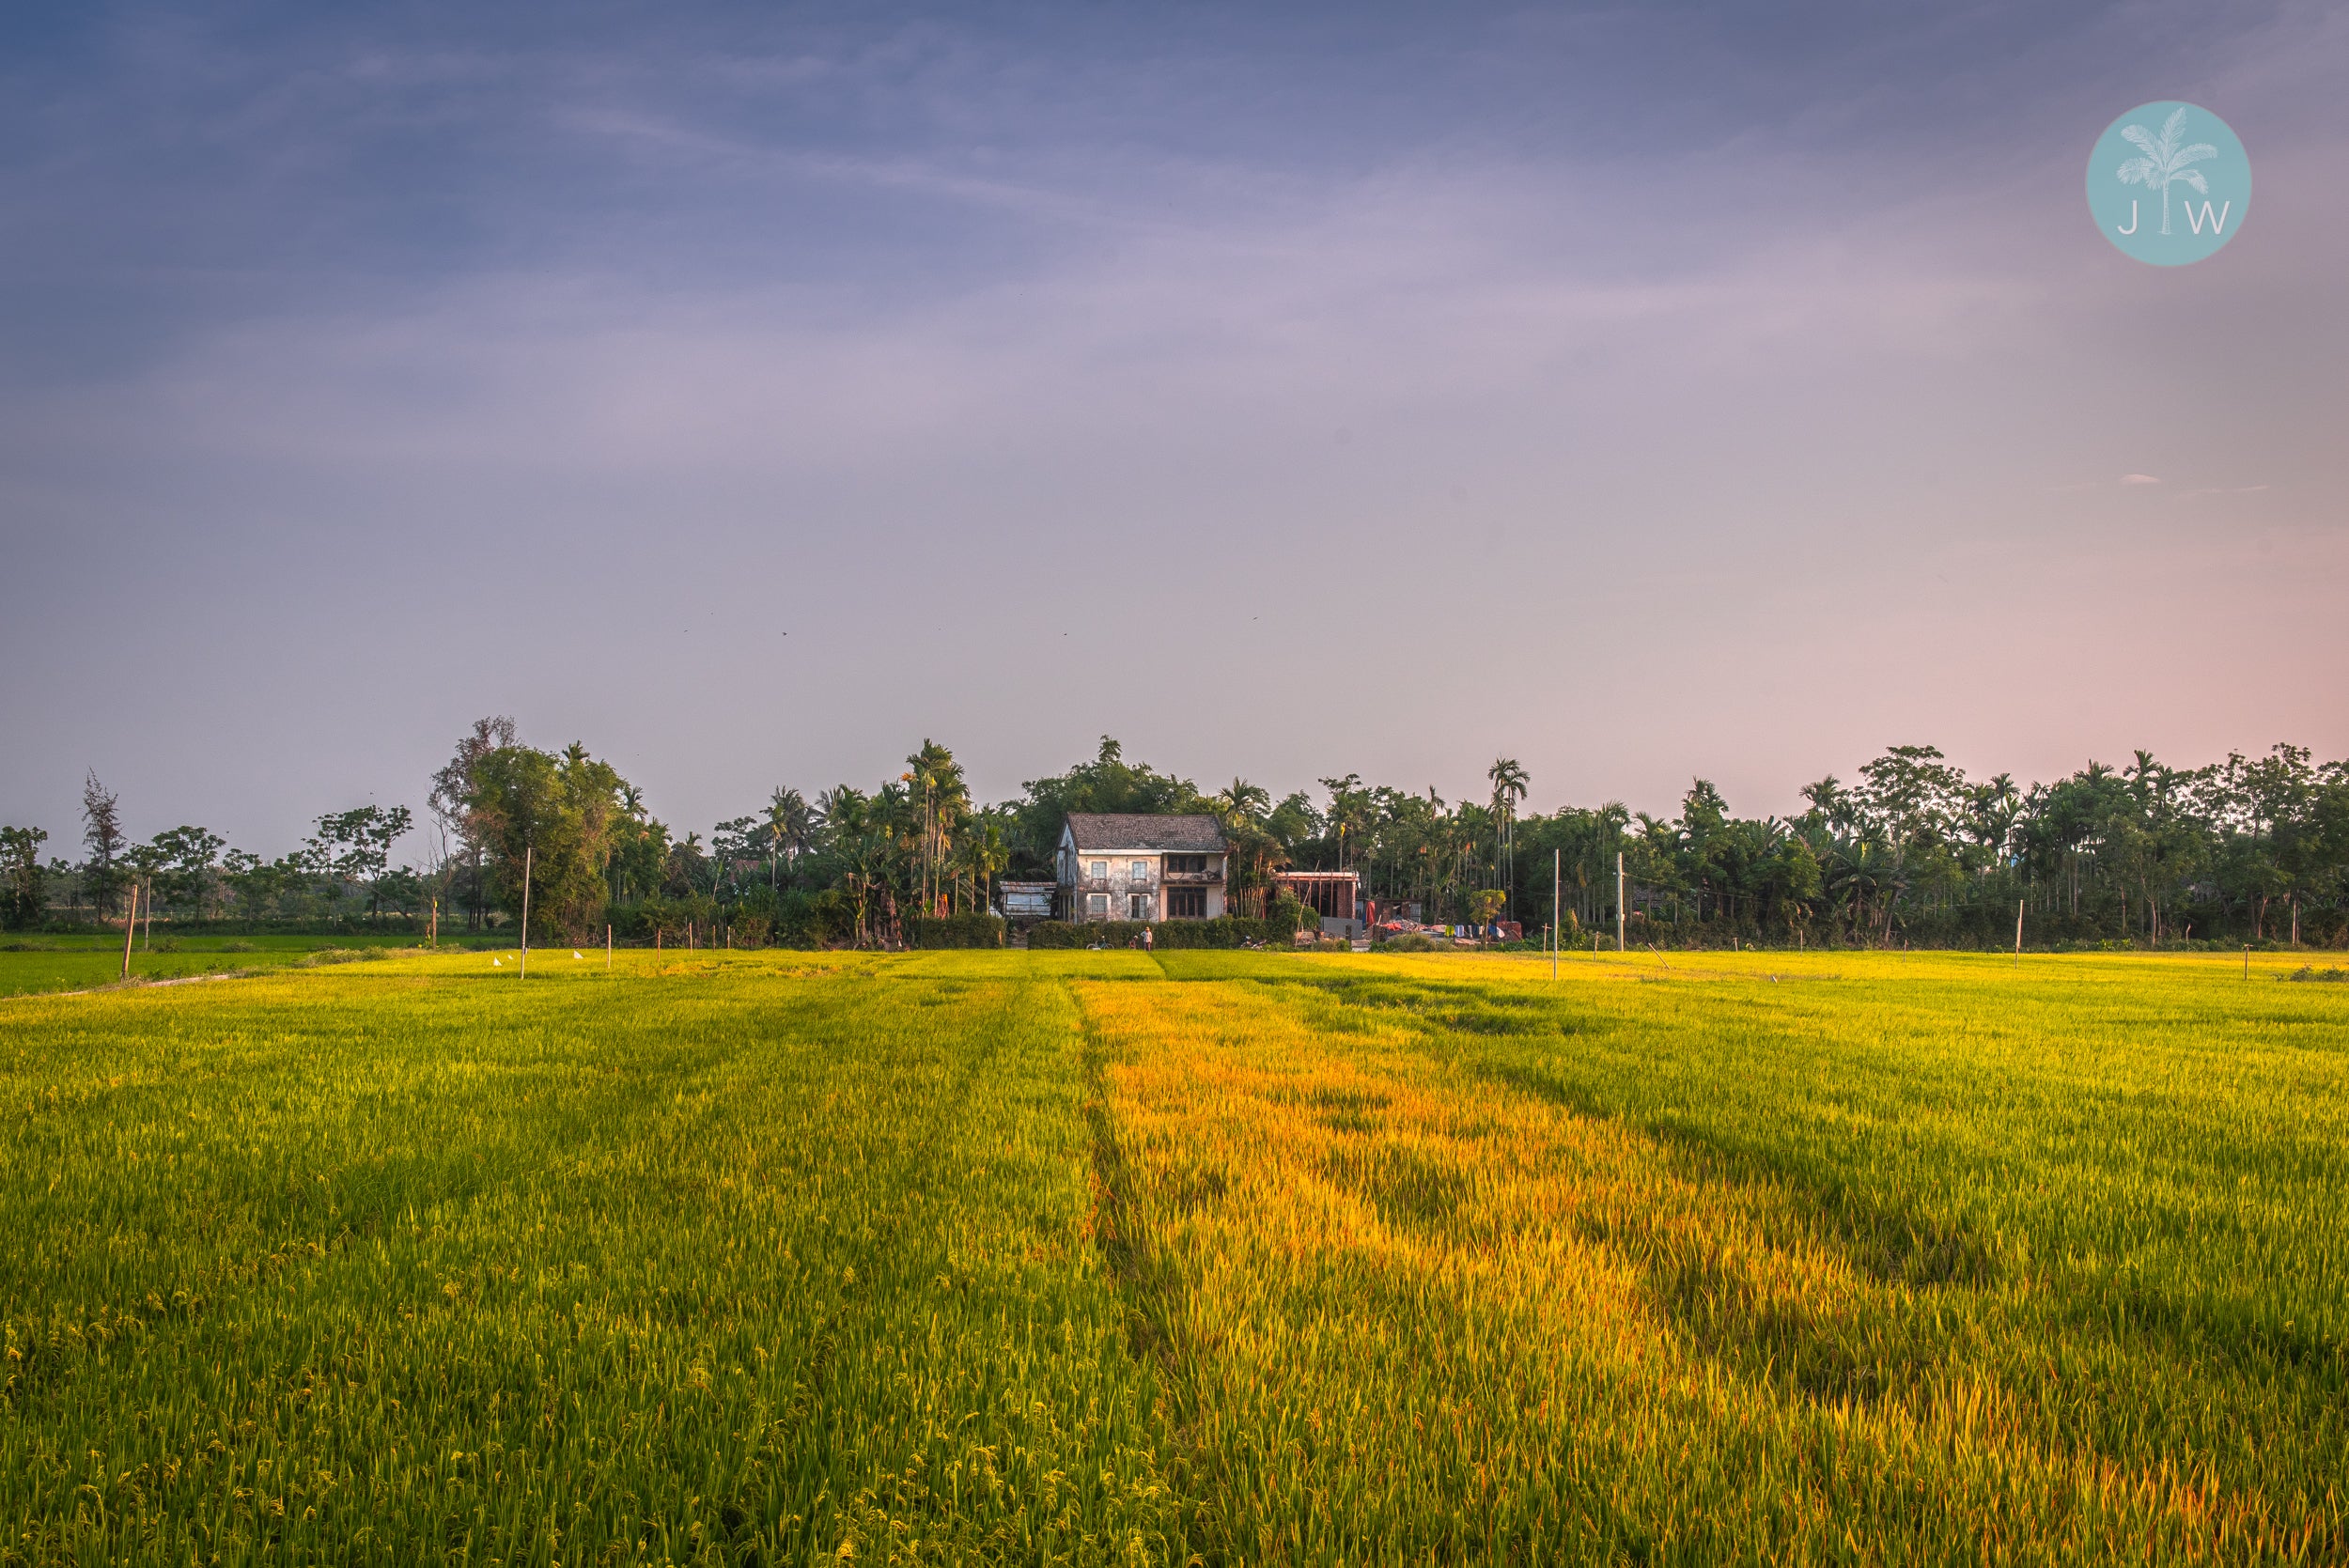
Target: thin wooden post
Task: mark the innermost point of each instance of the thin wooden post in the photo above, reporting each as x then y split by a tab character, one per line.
131	923
1621	918
2018	928
1557	916
2247	960
527	851
433	937
607	950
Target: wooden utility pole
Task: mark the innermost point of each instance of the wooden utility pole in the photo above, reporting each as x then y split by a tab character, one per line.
131	924
1620	917
1557	916
527	851
607	950
2018	928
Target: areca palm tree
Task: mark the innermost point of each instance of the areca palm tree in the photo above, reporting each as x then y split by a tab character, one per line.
936	785
1509	783
2164	159
983	857
1349	810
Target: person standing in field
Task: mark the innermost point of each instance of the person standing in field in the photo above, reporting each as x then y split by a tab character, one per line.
1149	938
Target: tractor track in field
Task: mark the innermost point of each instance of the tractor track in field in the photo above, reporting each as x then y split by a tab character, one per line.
1152	1292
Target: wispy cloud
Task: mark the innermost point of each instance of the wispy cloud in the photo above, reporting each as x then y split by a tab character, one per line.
925	300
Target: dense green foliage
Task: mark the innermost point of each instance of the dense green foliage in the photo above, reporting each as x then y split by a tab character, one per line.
1913	852
1224	931
24	895
553	820
933	932
1003	1257
2247	850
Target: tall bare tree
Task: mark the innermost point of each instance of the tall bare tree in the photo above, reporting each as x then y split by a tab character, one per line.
102	879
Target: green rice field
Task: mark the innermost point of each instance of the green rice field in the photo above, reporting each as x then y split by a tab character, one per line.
1206	1257
68	963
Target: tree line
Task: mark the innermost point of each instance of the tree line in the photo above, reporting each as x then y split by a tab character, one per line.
1909	850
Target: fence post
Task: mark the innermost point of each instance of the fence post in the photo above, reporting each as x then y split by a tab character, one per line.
527	851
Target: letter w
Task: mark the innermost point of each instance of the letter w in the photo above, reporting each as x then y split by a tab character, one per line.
2196	221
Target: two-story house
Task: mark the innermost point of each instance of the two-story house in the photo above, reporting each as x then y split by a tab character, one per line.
1127	867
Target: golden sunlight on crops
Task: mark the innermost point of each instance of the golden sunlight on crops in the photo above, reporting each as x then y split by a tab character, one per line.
1075	1257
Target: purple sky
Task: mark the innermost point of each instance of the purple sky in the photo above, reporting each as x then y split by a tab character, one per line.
750	394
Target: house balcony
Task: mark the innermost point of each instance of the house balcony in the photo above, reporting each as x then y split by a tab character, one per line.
1112	884
1193	879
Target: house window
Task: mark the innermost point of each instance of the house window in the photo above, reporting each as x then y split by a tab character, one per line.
1194	864
1142	871
1186	903
1100	871
1138	905
1096	905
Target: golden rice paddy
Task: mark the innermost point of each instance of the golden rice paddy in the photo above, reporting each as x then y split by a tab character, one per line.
1087	1258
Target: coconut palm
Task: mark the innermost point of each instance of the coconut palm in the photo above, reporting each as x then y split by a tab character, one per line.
790	827
854	822
1243	800
2164	159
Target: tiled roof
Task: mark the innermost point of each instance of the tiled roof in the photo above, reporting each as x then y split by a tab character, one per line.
1115	831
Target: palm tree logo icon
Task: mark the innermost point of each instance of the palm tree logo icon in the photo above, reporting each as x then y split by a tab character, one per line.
2164	160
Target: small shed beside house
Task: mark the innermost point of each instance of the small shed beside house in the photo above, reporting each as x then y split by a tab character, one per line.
1026	901
1335	895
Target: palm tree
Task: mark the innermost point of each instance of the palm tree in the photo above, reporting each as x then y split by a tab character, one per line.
1348	810
985	857
1242	799
859	831
1509	783
2164	160
790	828
937	785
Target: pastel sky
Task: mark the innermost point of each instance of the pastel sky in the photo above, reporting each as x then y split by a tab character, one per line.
751	391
